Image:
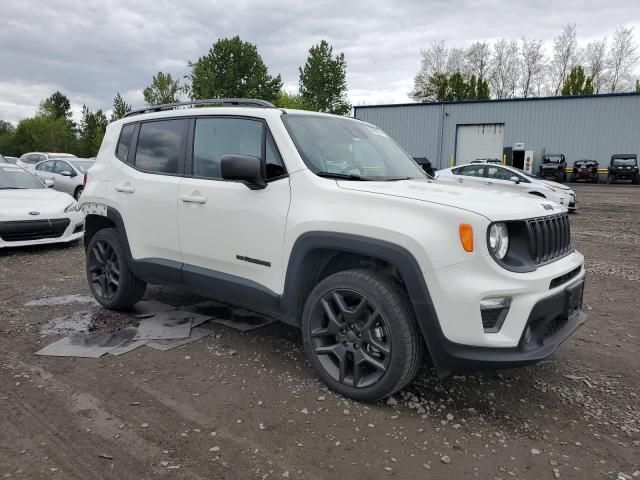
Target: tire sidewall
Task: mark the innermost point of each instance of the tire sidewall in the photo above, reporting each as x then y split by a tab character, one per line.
400	352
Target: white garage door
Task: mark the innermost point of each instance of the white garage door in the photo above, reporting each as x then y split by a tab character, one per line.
479	141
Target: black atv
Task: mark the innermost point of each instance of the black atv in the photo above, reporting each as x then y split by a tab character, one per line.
624	167
586	170
553	165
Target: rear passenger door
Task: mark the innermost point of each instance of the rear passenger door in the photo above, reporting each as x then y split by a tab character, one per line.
472	175
64	183
44	170
229	232
145	191
500	178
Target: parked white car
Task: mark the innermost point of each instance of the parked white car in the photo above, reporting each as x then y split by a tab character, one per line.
325	223
506	178
31	213
68	174
29	160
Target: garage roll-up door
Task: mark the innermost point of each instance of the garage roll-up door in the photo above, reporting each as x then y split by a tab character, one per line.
479	141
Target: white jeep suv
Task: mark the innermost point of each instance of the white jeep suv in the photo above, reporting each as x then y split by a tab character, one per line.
325	223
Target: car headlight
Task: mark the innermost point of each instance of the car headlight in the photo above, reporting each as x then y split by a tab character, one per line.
72	207
499	240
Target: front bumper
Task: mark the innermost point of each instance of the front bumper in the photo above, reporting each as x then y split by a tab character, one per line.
536	324
18	233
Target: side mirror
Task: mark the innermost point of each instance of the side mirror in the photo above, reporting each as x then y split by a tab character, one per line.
245	168
515	179
66	173
49	183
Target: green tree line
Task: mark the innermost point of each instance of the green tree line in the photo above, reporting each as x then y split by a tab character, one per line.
231	68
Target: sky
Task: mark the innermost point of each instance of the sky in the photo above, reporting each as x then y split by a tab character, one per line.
90	50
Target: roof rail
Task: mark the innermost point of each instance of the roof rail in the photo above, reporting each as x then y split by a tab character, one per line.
236	102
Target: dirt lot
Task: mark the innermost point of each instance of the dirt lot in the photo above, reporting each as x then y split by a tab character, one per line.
246	405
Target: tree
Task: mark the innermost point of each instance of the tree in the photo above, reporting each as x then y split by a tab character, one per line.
431	77
533	65
323	80
7	133
478	59
120	108
56	106
91	132
290	100
565	48
622	58
233	68
6	128
163	89
44	133
595	56
505	68
576	83
637	86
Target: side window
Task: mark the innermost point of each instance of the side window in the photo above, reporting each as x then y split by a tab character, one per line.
45	167
126	135
160	146
33	159
275	166
62	167
216	137
498	173
457	171
473	171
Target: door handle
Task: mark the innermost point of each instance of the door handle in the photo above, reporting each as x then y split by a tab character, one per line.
193	198
126	188
459	180
489	183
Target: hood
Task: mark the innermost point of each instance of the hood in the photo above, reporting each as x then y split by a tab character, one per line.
16	204
559	186
493	204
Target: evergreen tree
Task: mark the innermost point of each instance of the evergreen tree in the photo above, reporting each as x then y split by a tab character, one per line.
120	108
163	89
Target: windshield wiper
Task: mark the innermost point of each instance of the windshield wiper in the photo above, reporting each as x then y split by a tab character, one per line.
342	176
396	179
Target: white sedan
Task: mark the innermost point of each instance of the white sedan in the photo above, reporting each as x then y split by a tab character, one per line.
503	177
32	214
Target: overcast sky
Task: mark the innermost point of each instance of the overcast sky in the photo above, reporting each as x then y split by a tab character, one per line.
90	49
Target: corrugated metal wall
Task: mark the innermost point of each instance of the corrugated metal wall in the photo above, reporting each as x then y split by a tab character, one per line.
593	127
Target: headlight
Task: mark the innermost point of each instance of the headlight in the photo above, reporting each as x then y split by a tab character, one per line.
499	240
72	207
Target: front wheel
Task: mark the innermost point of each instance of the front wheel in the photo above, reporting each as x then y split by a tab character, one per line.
609	179
77	192
360	335
111	281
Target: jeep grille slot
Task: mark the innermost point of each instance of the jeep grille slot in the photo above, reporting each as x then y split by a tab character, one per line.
549	238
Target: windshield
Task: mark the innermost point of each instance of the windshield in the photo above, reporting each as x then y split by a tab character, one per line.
14	177
525	173
332	146
619	162
553	159
83	165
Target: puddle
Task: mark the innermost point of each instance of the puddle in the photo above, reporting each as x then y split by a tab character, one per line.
77	322
63	300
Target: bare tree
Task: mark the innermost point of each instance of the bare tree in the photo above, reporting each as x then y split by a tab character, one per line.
505	68
433	65
478	57
622	58
595	56
457	61
565	49
533	66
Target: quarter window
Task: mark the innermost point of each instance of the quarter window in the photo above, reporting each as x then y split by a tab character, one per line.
275	166
126	135
160	146
473	171
45	167
216	137
62	167
498	173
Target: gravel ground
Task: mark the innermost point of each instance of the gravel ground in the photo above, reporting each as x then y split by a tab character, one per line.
246	405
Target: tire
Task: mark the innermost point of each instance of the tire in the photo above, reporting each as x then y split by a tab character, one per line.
78	191
636	180
609	179
387	345
111	281
596	179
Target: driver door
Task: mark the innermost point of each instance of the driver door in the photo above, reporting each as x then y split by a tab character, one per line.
500	178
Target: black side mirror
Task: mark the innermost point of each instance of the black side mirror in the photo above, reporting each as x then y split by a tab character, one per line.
67	173
245	168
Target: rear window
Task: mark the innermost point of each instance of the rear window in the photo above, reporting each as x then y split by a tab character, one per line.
122	151
83	166
161	146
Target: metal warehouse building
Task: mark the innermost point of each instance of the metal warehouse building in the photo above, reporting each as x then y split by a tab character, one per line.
514	130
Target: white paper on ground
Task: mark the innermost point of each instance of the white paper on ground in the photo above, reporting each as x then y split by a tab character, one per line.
196	334
127	347
149	308
88	346
169	325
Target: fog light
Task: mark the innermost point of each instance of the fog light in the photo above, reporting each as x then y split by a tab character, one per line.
493	312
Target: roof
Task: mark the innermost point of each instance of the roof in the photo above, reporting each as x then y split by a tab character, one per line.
502	100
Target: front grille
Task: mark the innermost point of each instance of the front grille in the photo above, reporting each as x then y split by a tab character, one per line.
25	230
556	282
554	326
549	238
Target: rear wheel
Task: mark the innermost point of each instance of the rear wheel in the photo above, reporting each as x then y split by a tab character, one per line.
111	281
609	179
596	178
636	180
360	335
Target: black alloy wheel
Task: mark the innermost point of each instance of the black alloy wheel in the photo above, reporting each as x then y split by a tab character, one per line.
104	269
350	337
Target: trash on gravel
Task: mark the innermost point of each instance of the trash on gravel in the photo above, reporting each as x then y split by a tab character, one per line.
197	333
127	347
77	322
233	317
149	308
88	346
173	324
